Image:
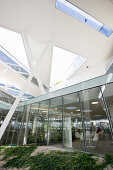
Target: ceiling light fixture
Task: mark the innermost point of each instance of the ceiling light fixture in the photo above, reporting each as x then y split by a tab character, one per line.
44	111
78	110
71	108
94	103
87	111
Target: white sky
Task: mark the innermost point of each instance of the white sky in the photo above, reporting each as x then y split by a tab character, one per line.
61	60
12	42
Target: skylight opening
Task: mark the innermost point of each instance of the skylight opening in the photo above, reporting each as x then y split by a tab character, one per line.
80	15
11	42
74	66
15	91
64	65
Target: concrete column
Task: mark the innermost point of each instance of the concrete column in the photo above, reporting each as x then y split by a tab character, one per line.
26	126
68	132
34	124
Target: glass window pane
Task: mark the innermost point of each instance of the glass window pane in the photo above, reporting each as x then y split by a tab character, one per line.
42	131
55	122
30	123
97	129
73	134
108	95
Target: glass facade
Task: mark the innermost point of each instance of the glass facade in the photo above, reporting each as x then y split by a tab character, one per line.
55	122
82	121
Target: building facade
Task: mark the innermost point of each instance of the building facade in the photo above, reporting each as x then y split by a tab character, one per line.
78	117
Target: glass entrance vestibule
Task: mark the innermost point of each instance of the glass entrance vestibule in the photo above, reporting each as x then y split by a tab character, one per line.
80	120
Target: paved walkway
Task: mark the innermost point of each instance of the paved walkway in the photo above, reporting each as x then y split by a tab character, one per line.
47	149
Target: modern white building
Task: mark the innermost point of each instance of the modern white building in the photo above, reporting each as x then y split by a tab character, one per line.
56	73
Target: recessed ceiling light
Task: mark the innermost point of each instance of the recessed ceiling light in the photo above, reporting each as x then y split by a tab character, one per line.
44	111
94	103
78	110
55	112
55	108
71	108
87	111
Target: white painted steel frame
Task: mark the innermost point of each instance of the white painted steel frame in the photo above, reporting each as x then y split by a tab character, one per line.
29	56
17	100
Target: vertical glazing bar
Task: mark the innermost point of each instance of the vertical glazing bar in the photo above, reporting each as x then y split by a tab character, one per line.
37	125
107	113
48	124
62	122
83	126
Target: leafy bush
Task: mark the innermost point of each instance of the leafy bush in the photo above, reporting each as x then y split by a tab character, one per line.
18	162
109	159
61	161
20	156
2	147
19	151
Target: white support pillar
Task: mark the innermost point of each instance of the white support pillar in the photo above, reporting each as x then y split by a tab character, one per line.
34	124
29	56
26	126
13	107
68	132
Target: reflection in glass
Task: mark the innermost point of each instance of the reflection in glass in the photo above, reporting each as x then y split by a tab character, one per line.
21	124
30	116
73	134
42	123
97	129
108	95
55	121
82	120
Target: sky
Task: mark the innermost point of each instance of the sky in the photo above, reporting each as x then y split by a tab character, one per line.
12	42
61	60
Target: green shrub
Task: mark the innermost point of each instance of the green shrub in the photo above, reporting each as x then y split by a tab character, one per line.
19	151
19	157
109	159
2	147
62	161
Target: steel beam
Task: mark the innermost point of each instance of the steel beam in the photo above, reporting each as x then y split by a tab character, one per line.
29	56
